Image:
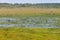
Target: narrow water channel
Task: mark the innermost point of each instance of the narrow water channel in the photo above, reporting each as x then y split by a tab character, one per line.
31	22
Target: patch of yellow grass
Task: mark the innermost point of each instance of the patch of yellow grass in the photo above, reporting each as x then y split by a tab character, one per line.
28	11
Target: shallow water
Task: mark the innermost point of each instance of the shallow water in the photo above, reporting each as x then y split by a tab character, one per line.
31	22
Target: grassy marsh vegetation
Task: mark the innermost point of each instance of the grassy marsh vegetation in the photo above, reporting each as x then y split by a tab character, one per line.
20	12
29	33
24	13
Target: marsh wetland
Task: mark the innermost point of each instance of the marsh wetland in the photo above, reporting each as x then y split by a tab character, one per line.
31	22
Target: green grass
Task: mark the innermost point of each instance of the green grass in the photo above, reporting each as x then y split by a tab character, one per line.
29	33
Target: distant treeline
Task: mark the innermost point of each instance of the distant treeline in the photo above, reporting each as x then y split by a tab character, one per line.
37	5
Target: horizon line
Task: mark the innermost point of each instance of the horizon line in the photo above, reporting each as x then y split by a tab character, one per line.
23	3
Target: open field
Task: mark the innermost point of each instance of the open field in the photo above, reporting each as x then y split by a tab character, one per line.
29	33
